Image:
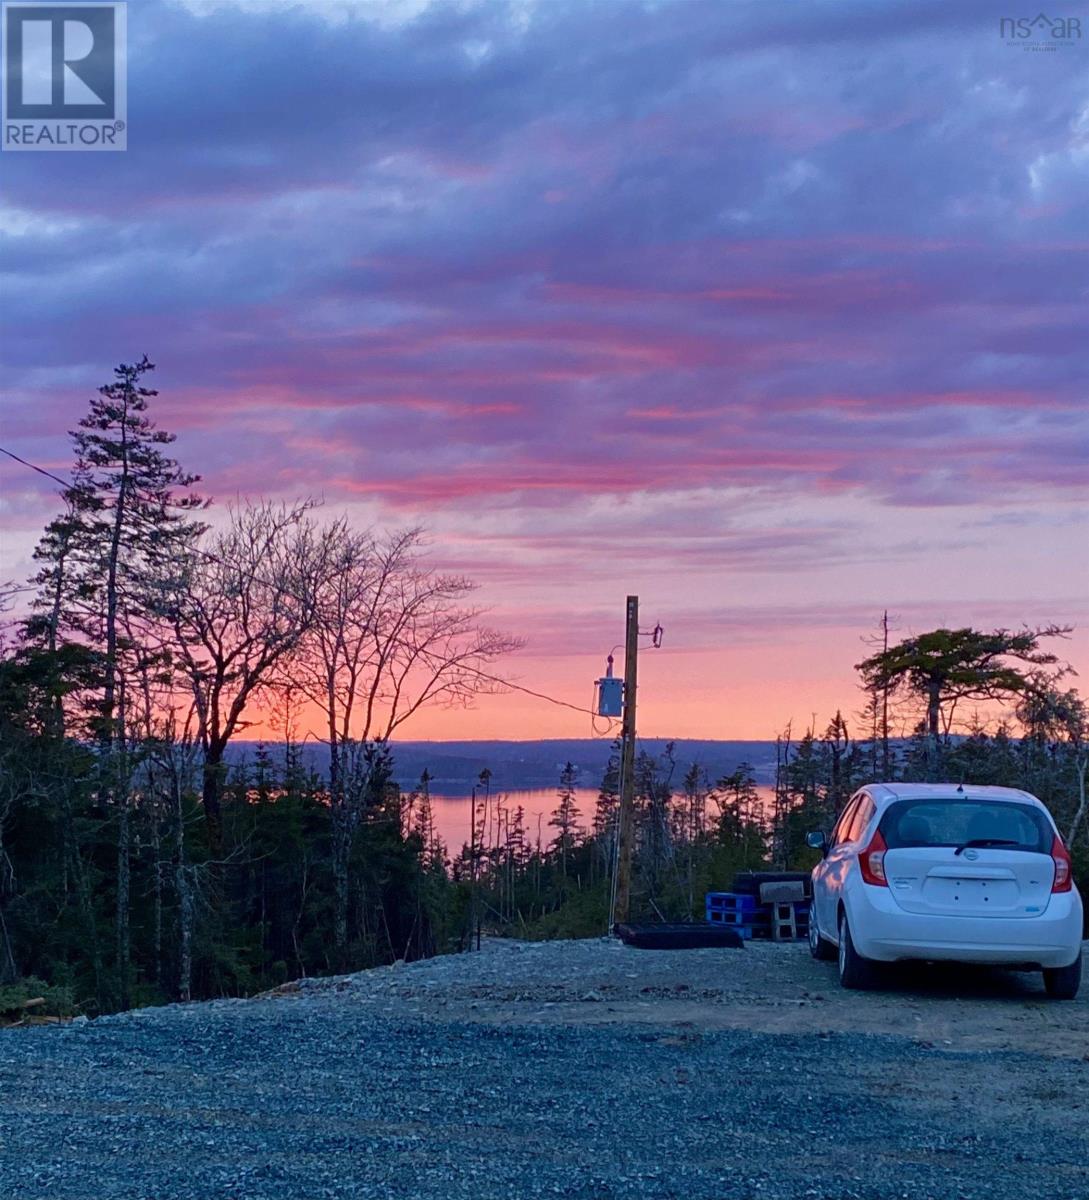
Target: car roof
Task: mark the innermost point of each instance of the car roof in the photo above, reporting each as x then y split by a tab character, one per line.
886	793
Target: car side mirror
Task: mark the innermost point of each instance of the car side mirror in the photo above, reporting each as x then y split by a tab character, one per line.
817	841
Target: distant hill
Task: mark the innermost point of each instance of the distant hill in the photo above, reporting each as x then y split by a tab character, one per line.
454	766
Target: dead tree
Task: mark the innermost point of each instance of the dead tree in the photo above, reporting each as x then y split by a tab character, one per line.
243	606
390	636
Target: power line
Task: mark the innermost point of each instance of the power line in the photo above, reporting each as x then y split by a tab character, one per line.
40	470
529	691
216	559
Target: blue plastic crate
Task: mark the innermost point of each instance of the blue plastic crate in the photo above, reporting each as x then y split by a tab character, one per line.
725	917
740	912
730	902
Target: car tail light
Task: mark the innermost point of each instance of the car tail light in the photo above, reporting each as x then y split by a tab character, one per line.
872	861
1060	856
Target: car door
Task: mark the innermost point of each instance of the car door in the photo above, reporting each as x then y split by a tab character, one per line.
827	877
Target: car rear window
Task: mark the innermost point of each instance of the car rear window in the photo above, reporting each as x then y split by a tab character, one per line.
955	822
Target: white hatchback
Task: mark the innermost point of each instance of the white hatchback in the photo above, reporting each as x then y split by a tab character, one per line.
941	871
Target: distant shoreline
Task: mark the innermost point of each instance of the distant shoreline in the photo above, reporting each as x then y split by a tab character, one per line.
455	766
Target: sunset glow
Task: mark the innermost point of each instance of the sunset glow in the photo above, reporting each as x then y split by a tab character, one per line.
773	316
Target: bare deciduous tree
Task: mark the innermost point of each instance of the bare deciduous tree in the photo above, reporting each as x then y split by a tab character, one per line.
391	636
241	609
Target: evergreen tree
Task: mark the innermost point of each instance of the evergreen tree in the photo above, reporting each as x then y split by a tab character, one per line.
517	851
128	520
653	814
691	822
608	796
424	824
941	668
104	563
565	816
742	822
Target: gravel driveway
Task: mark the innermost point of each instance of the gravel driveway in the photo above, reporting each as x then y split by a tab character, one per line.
580	1069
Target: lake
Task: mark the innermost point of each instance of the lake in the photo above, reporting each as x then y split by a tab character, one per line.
453	812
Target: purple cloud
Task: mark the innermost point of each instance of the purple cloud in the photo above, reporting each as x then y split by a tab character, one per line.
497	265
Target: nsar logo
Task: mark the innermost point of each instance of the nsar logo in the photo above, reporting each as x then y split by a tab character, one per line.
1040	32
64	85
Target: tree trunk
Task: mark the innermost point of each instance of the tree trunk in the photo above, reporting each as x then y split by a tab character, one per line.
934	710
55	718
107	734
157	898
124	870
342	845
8	969
211	791
184	888
119	790
185	934
933	731
83	892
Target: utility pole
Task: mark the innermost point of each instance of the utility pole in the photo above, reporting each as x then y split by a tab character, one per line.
627	765
472	871
485	778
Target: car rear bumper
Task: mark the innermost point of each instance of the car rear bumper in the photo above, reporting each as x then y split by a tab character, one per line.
881	930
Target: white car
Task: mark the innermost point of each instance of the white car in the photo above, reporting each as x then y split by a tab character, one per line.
942	871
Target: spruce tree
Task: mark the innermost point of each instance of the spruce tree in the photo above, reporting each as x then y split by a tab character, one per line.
565	816
104	563
126	525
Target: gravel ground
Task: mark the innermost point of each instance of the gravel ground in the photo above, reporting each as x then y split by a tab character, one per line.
580	1069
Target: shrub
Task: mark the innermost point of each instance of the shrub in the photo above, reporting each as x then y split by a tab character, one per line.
16	998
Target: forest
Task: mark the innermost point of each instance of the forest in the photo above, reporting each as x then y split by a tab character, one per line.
141	863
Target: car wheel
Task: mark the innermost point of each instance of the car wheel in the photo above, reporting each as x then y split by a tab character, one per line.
821	948
855	972
1062	983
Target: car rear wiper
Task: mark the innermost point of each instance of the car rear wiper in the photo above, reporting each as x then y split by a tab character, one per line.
986	842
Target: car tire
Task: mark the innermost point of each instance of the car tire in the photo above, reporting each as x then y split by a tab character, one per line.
855	972
820	947
1062	983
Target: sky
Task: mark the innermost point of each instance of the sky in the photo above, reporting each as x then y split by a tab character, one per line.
772	314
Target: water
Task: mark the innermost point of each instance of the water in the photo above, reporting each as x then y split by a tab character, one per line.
453	813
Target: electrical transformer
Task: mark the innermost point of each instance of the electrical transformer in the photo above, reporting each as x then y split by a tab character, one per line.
610	696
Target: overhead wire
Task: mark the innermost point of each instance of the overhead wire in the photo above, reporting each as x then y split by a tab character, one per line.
211	557
506	683
529	691
40	470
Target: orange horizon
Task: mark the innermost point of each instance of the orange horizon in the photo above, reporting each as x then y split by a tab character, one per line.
742	694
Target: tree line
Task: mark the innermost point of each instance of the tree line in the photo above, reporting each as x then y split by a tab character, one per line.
142	861
155	640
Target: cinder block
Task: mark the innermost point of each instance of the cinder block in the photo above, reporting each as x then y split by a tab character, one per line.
778	893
